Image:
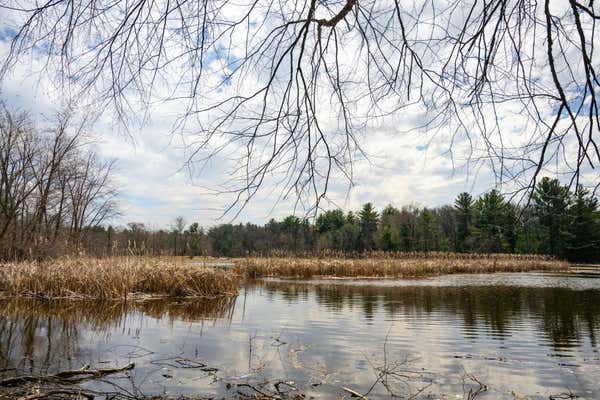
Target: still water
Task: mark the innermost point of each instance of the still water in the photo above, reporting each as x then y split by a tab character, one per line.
522	336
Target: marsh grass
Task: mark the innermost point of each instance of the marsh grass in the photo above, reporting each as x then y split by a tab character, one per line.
395	265
113	278
141	277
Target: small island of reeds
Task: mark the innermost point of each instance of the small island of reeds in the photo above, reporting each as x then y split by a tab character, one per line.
395	265
136	277
113	278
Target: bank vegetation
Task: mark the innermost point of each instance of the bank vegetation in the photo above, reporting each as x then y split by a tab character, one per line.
58	198
113	278
137	277
395	265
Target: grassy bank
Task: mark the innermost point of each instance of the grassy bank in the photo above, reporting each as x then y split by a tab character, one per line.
113	278
139	277
396	265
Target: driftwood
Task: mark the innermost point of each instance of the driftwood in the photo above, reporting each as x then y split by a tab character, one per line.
183	363
354	393
472	394
69	377
565	395
66	392
260	392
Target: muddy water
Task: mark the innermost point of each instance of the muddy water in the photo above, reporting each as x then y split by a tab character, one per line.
520	335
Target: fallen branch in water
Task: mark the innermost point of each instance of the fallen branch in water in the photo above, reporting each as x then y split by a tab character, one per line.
183	363
472	394
67	377
254	388
564	395
354	393
60	392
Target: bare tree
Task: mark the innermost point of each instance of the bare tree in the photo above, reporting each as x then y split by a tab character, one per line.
52	150
178	228
92	196
51	187
262	79
17	154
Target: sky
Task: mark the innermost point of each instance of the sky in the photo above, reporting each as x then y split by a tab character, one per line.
156	184
404	166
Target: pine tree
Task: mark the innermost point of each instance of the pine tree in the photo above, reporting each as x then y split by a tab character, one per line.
389	239
551	202
429	231
511	227
584	228
331	220
464	211
368	220
490	216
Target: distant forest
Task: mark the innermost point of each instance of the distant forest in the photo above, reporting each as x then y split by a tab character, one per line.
57	198
557	222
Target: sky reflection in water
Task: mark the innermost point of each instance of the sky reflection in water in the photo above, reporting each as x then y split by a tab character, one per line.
520	334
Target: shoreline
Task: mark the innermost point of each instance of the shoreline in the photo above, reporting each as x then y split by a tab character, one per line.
407	266
143	277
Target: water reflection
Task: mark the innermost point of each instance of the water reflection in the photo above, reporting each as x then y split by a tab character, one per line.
564	316
528	337
39	336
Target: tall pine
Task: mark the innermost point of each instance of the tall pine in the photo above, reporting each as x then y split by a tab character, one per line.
551	202
583	243
463	206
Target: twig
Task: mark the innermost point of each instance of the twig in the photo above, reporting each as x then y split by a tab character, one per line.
70	376
354	393
78	393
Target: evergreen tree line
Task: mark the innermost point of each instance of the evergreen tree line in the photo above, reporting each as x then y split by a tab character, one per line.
557	222
56	197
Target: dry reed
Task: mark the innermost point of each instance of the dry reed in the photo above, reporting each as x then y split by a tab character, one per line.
113	278
135	277
396	265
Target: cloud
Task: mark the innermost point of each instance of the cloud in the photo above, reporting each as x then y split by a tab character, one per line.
405	163
157	183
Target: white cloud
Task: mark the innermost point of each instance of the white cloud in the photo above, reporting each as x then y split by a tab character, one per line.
406	164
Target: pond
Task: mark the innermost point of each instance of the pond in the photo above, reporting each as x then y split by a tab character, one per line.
500	336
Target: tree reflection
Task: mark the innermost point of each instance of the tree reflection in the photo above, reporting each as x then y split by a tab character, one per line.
43	336
39	336
565	316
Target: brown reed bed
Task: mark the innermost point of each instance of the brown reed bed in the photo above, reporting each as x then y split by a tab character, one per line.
140	277
113	278
395	265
